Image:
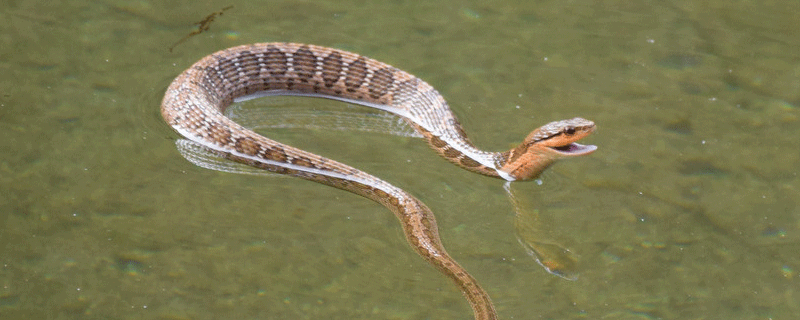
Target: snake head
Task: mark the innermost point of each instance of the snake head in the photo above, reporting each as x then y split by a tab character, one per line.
545	145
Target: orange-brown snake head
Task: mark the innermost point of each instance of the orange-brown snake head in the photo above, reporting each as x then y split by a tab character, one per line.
545	145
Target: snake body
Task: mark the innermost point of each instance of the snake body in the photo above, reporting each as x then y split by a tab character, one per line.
195	101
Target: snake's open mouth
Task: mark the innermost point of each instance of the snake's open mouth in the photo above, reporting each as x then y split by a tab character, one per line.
574	149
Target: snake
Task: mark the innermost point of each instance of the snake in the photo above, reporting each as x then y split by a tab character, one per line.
195	101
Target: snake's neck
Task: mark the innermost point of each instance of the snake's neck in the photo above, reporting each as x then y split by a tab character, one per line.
540	149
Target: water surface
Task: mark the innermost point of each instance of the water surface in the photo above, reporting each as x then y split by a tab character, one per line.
689	209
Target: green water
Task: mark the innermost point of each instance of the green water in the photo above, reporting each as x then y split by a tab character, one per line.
690	209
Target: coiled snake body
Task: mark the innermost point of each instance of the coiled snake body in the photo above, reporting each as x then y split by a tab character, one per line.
194	103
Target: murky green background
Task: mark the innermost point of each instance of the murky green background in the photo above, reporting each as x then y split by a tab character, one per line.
690	209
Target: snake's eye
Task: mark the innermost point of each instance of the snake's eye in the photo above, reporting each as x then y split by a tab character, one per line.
570	131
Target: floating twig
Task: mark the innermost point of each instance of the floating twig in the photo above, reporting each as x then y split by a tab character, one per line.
202	26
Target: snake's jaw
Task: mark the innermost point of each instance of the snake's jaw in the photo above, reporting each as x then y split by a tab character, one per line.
573	149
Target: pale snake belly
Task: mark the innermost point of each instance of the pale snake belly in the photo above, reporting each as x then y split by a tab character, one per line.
194	103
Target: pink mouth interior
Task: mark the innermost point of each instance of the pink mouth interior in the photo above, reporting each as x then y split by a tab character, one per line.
575	149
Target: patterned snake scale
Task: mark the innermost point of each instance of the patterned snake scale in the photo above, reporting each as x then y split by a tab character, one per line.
195	101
